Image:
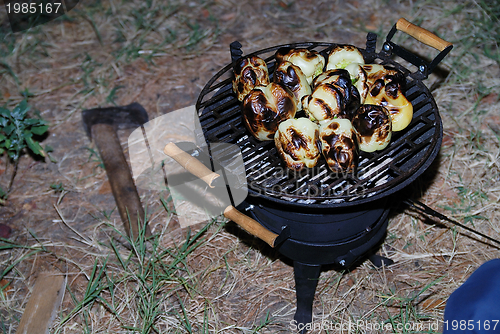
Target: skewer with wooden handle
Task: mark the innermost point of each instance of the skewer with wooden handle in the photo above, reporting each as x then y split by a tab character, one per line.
195	167
191	164
422	35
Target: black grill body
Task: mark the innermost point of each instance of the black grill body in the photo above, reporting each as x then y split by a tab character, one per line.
337	237
333	219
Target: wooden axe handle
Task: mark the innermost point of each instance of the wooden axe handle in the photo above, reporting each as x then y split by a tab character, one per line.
43	304
123	187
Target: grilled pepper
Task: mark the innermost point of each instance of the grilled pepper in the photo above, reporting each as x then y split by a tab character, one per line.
297	143
310	62
249	72
341	79
339	145
387	89
374	127
359	79
267	106
292	77
343	55
375	72
325	102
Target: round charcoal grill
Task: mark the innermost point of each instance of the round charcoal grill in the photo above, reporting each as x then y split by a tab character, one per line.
378	174
329	217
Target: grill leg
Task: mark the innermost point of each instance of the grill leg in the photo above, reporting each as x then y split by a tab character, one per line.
306	280
379	260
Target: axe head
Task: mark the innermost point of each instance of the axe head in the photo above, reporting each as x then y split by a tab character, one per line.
120	117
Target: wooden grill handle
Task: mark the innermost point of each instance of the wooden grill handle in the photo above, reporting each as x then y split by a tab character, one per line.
250	225
422	35
190	163
195	167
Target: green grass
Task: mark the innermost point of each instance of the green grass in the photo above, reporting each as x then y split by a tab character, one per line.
489	27
263	323
7	245
134	285
7	42
135	31
409	319
133	282
481	31
124	30
470	201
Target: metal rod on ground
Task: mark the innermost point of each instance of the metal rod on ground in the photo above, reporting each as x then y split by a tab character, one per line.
427	210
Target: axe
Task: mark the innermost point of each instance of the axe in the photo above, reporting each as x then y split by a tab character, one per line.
101	125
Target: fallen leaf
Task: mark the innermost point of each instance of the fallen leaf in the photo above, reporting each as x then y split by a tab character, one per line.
350	282
228	17
105	188
29	205
5	286
490	98
283	4
433	304
372	22
5	231
448	138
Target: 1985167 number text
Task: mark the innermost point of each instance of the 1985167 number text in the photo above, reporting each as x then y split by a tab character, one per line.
33	8
471	325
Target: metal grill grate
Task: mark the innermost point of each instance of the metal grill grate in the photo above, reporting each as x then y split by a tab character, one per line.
378	173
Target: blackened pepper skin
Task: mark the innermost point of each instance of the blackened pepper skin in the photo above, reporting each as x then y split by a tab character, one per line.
265	107
297	143
292	77
374	127
249	72
339	145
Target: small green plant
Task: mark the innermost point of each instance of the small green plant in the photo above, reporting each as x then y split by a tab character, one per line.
57	187
263	323
18	133
96	158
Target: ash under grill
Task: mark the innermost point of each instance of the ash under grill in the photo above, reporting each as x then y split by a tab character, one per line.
378	174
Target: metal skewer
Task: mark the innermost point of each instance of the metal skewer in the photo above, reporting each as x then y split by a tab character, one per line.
419	206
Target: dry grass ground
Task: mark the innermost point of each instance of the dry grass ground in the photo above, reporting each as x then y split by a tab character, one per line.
220	280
